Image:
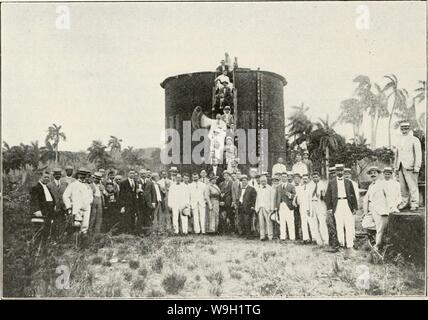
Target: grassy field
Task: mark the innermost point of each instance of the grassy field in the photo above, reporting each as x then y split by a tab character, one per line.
192	266
220	266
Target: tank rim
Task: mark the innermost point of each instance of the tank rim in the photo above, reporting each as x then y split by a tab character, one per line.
163	83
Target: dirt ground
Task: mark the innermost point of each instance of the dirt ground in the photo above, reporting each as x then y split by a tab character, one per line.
227	266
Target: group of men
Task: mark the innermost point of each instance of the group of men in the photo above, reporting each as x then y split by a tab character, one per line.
294	205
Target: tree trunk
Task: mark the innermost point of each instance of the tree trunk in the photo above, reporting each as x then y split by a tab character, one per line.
327	162
56	154
375	129
389	128
373	133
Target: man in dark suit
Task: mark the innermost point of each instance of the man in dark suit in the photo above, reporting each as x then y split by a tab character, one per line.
223	66
146	202
128	203
284	195
42	209
57	188
215	169
341	202
227	218
246	205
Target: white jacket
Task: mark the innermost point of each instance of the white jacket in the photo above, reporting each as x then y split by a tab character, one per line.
393	191
408	153
78	196
376	199
178	196
197	194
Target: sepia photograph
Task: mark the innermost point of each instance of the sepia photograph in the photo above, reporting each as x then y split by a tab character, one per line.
213	150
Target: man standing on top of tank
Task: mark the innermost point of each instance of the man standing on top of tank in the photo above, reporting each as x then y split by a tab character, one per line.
223	67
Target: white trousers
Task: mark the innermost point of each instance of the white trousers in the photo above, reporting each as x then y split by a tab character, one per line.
345	223
319	231
83	216
199	218
381	224
266	226
286	222
176	214
409	185
308	223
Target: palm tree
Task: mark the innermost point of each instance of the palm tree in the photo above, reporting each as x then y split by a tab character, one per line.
53	137
399	104
327	139
352	113
300	126
98	154
374	104
37	154
360	140
115	147
420	96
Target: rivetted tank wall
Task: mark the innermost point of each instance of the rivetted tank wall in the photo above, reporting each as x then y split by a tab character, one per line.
184	92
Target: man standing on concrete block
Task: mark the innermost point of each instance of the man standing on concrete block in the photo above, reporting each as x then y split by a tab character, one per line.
408	160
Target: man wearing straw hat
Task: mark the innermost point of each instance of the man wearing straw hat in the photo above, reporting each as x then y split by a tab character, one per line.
392	188
78	198
341	201
179	202
68	175
264	207
284	196
408	160
376	204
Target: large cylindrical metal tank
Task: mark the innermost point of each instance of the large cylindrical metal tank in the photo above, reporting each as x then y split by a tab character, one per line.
260	104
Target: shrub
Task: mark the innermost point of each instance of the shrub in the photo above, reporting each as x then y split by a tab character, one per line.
216	290
174	283
139	284
268	254
155	293
107	263
235	275
157	265
97	260
215	277
127	276
134	264
143	272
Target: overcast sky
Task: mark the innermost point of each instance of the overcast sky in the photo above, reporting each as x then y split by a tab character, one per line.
101	77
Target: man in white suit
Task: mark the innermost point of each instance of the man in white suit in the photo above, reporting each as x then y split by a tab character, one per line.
78	198
179	202
197	203
376	204
318	209
264	207
303	199
408	160
392	187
